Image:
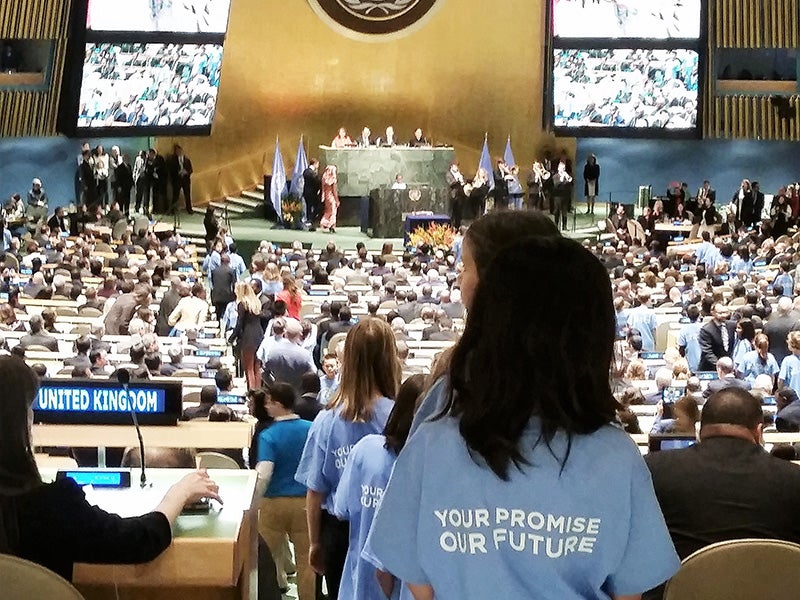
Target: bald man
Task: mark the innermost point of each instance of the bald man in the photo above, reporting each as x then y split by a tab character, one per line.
286	360
726	486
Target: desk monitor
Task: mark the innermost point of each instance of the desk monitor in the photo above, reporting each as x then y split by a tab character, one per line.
707	375
206	353
99	402
669	441
651	355
208	374
102	478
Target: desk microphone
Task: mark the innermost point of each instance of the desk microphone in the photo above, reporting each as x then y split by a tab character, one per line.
124	377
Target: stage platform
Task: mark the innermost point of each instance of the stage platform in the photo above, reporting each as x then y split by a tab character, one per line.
249	231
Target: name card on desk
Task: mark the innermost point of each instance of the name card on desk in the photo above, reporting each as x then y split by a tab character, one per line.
207	353
230	399
76	402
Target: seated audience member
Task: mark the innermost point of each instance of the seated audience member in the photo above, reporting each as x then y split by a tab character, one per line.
283	507
727	378
160	458
152	361
175	361
500	356
680	417
219	413
40	370
49	320
369	466
53	524
726	487
787	419
208	398
445	333
37	336
663	380
308	406
80	372
223	380
82	346
98	363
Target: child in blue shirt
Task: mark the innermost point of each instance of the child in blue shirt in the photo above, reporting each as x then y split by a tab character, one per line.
790	366
369	378
360	491
283	508
519	487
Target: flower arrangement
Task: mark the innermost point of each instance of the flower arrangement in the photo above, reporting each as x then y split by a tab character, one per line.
436	235
292	210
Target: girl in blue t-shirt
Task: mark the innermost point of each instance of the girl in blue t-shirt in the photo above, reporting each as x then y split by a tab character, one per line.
519	486
370	375
361	489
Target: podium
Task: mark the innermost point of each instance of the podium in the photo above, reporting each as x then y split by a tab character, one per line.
389	208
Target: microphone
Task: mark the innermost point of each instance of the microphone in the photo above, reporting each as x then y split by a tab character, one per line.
124	377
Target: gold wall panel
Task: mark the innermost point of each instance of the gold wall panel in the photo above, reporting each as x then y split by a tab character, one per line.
755	23
34	113
467	72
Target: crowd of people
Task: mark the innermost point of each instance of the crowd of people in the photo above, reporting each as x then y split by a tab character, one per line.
388	480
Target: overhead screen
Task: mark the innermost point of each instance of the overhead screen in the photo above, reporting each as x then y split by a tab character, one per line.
625	88
178	16
633	19
626	67
143	67
149	85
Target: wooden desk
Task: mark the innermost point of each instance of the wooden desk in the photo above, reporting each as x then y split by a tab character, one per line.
21	79
211	557
190	434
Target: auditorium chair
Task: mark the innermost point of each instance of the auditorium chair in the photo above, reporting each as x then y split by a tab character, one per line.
23	579
215	460
89	311
738	570
120	227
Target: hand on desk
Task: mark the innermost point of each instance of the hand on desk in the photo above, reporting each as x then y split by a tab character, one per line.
188	490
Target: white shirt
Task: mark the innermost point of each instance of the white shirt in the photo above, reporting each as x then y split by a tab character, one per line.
190	313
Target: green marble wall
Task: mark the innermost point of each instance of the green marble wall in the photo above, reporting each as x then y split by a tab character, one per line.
388	208
362	170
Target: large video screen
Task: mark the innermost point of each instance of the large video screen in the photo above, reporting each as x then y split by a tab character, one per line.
154	86
640	19
179	16
625	88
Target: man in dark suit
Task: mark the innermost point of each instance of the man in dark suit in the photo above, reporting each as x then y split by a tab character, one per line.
726	486
180	175
758	203
37	336
121	313
455	181
156	174
500	184
783	320
168	304
312	186
716	338
223	279
58	222
86	177
343	325
727	378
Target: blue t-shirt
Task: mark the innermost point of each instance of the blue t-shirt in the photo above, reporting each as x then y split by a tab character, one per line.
644	320
357	499
785	280
790	372
282	444
752	366
593	530
328	445
431	404
740	349
688	339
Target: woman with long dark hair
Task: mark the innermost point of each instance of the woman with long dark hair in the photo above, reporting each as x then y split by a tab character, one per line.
53	524
360	406
521	483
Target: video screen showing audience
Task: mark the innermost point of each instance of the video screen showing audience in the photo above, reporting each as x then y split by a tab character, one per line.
180	16
149	85
625	88
641	19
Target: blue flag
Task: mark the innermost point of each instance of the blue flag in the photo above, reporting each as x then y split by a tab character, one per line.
486	162
277	189
508	156
300	165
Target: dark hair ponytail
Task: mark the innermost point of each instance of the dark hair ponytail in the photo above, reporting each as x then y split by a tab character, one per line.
538	342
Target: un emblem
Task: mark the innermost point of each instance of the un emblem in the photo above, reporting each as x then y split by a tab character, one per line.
374	20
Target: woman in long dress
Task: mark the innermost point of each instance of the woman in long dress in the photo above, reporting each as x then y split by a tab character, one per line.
330	198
